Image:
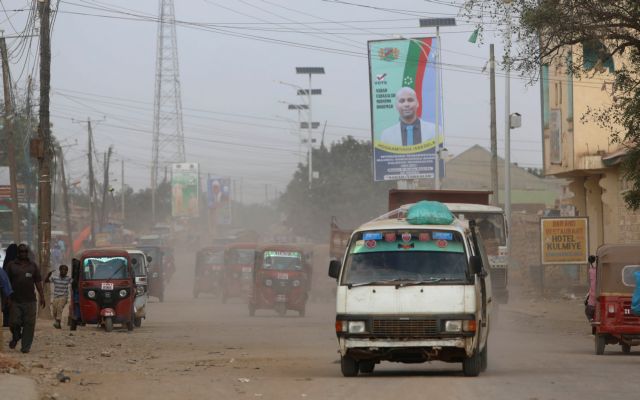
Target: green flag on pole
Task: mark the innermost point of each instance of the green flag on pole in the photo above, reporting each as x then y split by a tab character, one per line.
474	36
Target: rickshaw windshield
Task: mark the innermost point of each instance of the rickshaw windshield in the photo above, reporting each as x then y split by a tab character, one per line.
213	257
282	260
628	277
105	268
241	256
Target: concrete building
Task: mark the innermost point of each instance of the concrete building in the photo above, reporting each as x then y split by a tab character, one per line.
580	150
470	170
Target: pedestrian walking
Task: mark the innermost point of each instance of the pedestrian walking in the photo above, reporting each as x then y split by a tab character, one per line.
5	293
61	283
25	278
10	254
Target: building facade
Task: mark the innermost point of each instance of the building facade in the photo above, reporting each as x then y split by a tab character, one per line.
580	150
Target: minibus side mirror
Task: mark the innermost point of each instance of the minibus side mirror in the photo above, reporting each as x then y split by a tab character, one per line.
334	268
476	264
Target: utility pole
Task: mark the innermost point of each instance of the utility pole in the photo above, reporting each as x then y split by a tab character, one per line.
92	187
65	196
29	170
494	134
8	125
44	151
507	129
105	188
309	92
122	191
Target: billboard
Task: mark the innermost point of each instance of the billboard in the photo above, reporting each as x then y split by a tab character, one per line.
184	190
402	83
219	199
564	240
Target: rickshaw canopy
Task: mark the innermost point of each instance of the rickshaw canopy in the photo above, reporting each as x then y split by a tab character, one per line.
616	265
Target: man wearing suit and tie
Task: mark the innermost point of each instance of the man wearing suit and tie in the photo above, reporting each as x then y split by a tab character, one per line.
410	130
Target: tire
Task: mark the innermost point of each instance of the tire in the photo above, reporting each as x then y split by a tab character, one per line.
600	343
137	322
484	358
281	309
73	325
108	324
302	312
349	366
367	366
472	366
626	348
129	325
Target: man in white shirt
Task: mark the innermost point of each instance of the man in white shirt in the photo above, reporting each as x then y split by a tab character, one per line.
410	130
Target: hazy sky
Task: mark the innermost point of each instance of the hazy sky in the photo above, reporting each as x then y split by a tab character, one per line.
232	55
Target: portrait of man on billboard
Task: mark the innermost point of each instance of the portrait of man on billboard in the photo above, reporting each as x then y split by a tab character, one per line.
410	130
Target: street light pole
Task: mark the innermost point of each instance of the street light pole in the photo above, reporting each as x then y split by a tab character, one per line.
437	23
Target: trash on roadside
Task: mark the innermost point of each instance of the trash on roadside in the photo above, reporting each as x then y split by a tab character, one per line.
244	380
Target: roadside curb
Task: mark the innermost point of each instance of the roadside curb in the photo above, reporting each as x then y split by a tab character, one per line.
15	387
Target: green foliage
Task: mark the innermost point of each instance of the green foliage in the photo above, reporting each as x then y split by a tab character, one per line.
612	28
344	189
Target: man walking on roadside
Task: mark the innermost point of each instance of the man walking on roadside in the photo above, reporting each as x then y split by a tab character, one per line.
24	276
61	283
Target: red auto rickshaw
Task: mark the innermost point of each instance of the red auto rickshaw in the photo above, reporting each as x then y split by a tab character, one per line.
280	279
209	271
106	288
237	278
614	323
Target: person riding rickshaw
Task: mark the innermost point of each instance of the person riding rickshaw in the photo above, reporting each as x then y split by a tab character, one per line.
280	279
106	288
156	271
209	271
614	323
238	269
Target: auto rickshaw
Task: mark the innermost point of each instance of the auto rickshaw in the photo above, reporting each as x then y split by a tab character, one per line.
614	323
106	288
237	279
139	262
156	272
280	279
209	271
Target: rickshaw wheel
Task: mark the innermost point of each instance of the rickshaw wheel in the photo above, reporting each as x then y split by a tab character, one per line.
281	309
108	324
626	348
600	342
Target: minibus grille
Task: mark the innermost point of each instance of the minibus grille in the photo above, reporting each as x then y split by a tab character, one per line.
393	328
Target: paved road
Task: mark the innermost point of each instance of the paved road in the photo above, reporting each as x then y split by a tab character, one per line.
202	349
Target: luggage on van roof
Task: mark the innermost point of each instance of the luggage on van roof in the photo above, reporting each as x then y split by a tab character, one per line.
429	213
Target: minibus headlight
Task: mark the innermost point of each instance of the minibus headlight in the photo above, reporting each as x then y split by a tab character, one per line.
268	282
91	294
453	326
357	327
296	283
123	293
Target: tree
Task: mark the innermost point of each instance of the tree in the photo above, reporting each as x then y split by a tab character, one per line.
344	189
605	29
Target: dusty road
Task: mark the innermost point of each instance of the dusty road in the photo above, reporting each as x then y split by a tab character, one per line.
202	349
